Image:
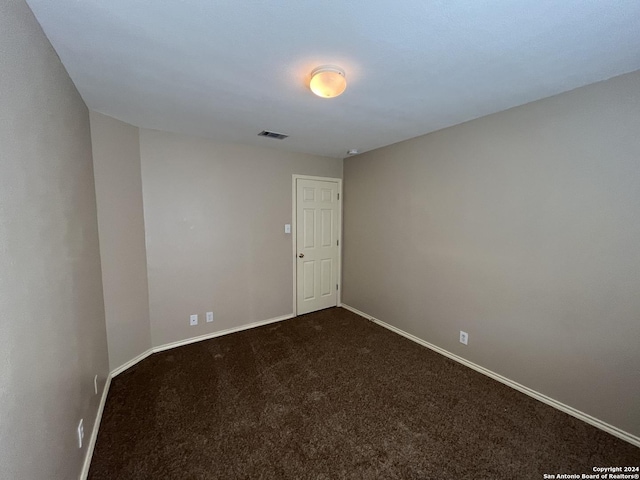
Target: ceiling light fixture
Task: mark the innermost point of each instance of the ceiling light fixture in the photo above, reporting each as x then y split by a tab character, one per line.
328	81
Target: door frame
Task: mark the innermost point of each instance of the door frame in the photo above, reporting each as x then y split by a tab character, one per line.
294	235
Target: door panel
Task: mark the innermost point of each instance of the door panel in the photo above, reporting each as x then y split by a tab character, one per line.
326	276
327	227
317	239
309	230
309	280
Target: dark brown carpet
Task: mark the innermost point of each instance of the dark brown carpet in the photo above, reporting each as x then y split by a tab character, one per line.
331	395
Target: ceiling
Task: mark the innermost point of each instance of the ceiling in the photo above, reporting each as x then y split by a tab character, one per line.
228	69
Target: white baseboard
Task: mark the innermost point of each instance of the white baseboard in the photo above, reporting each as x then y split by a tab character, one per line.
356	311
207	336
131	363
628	437
94	433
187	341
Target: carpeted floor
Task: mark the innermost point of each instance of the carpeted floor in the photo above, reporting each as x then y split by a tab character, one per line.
331	395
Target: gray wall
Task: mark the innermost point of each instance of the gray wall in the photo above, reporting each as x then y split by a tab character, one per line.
52	328
214	220
521	228
116	161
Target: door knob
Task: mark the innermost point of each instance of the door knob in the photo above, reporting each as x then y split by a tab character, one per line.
301	255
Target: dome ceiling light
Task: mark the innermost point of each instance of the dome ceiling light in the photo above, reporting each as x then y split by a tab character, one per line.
328	81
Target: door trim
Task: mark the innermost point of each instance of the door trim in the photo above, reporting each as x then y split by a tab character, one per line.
294	234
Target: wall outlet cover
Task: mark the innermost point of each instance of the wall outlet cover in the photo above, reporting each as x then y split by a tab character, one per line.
193	320
464	337
209	317
80	432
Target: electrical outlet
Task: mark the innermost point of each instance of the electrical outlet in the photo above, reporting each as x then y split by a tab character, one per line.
464	337
193	320
80	432
95	384
209	317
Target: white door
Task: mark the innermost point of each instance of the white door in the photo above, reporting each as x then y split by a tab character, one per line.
317	245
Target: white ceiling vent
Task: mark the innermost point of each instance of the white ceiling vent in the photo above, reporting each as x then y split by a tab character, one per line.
279	136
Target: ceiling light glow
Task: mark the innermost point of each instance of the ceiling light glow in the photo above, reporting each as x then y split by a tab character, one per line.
328	81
